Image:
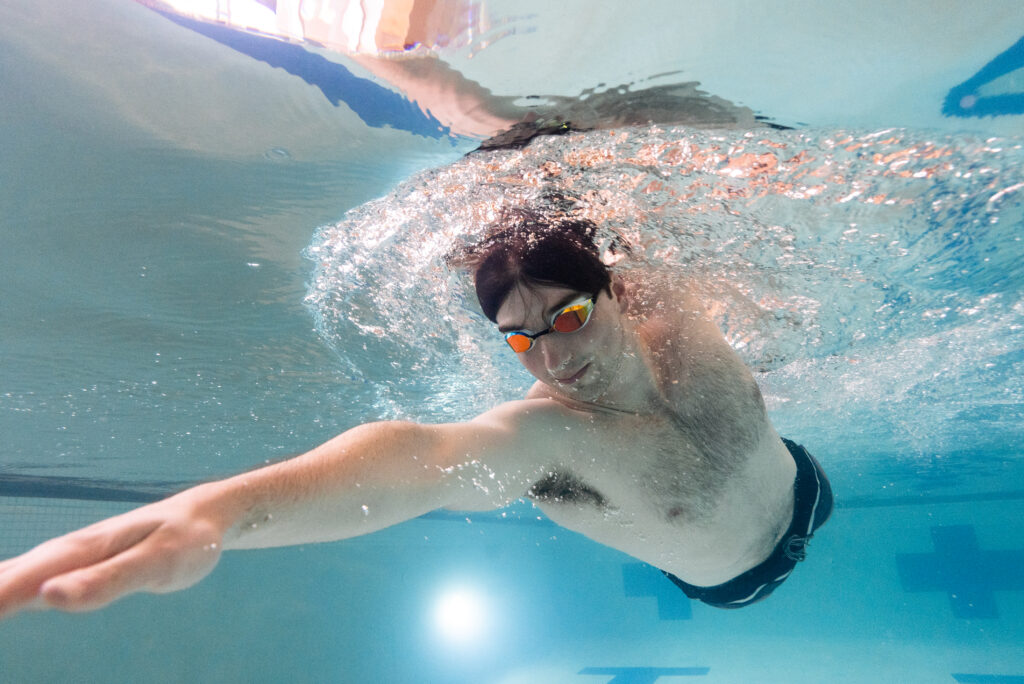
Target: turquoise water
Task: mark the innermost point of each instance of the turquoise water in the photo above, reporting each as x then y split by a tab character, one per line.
184	296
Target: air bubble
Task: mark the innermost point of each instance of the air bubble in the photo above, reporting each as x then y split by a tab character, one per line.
277	154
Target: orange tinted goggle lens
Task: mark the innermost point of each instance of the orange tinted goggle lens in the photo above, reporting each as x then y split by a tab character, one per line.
571	319
519	343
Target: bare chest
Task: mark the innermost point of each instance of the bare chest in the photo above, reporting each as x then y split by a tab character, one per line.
652	468
663	490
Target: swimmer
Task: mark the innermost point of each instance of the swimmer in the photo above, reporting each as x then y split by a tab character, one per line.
644	431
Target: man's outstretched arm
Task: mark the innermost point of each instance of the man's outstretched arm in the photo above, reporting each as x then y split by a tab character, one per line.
366	479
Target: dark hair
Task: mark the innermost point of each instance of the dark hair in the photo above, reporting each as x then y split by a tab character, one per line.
525	246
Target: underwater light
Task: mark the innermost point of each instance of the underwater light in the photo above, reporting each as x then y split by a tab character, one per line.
461	615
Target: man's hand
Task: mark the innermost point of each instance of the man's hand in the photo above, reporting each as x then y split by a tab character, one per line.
364	480
159	548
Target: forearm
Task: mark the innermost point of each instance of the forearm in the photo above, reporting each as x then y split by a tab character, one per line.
366	479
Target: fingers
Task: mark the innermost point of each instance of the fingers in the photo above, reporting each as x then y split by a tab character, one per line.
100	584
91	568
12	597
168	559
21	577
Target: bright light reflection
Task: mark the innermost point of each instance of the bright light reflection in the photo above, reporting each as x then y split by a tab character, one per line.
461	615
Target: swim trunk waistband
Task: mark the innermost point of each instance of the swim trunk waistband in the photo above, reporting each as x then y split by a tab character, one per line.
812	505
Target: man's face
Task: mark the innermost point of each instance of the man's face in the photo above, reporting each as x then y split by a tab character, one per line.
579	364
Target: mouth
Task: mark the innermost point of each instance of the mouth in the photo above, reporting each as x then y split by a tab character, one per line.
574	377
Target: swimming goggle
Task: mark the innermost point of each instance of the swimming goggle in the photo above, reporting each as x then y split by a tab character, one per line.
570	318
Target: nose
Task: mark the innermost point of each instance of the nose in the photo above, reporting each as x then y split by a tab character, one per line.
557	355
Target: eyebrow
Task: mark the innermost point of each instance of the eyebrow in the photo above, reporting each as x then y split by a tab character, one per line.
548	313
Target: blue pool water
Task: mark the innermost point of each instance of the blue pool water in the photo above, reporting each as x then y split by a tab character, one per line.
201	230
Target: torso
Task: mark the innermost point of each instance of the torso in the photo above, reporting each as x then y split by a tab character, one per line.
697	483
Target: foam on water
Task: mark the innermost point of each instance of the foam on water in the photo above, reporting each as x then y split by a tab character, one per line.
872	279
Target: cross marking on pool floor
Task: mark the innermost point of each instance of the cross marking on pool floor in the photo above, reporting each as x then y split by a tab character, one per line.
962	569
640	579
643	675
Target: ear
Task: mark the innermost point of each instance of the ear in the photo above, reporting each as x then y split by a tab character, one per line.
620	293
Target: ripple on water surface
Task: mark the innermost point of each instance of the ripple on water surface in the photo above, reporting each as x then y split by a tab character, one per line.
873	279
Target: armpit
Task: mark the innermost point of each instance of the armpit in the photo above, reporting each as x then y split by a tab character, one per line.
562	487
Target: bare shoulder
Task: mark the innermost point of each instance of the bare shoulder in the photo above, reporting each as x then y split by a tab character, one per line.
498	455
673	314
662	297
524	418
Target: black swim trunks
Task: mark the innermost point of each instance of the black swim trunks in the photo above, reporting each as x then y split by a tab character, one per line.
812	497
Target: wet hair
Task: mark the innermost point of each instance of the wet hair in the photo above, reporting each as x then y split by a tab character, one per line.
528	247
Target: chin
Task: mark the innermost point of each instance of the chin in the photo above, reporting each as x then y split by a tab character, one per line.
586	389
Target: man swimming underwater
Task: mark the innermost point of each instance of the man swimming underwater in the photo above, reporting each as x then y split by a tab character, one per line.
644	432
